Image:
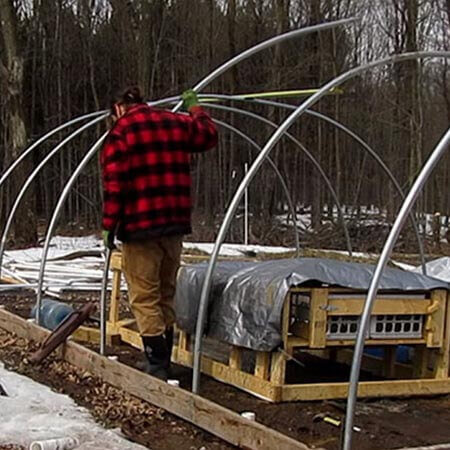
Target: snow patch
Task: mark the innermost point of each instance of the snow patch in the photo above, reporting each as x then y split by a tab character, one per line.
32	412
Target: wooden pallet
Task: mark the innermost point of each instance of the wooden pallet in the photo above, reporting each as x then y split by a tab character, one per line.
266	378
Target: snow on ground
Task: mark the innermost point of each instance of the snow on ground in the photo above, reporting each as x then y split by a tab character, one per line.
32	412
235	249
76	263
60	247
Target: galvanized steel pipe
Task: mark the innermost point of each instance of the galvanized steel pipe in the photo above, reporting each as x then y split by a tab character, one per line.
30	179
251	173
374	155
277	173
87	157
103	294
308	154
405	209
42	139
262	46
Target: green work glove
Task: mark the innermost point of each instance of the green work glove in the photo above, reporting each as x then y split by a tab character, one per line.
190	99
108	239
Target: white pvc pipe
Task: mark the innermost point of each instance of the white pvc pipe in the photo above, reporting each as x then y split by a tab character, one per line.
66	443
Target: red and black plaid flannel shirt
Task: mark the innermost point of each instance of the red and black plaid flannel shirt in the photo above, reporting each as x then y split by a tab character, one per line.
146	171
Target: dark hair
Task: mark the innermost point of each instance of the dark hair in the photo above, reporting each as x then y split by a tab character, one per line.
129	96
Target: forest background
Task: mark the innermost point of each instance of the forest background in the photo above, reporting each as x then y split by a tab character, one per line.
60	59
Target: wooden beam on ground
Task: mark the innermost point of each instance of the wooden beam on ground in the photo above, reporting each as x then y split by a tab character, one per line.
205	414
389	388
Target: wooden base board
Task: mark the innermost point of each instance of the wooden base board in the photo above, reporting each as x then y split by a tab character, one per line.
201	412
314	391
390	388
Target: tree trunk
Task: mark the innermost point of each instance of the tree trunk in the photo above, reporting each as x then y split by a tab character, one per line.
12	72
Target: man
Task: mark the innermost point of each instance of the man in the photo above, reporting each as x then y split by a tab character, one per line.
146	179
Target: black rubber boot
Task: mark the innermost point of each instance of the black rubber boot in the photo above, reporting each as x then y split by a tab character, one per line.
169	342
156	351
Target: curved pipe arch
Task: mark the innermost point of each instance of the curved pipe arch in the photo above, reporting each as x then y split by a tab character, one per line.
405	209
372	153
350	133
268	102
86	158
42	139
80	167
30	179
262	46
240	57
89	154
308	154
277	173
254	168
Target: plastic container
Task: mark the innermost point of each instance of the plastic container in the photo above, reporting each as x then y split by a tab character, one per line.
52	313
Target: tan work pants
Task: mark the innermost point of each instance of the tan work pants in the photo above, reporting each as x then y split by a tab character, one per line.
150	268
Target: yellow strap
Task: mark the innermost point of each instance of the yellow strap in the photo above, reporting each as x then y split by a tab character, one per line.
276	94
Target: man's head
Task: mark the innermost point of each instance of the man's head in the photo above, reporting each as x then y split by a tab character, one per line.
128	98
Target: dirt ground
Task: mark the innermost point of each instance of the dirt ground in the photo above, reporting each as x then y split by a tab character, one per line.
385	423
138	420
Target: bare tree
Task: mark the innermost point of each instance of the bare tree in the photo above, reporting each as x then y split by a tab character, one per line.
12	72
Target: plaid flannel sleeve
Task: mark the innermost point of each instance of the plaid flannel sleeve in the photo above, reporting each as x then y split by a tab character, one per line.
114	168
203	132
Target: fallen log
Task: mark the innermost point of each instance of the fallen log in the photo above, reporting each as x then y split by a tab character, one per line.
62	332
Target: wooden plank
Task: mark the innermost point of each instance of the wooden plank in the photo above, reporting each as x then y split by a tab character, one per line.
354	306
115	327
420	361
443	357
8	280
318	318
278	368
116	260
243	380
375	342
131	337
262	365
183	340
391	388
351	291
203	413
389	360
87	334
296	341
115	297
286	318
235	358
435	323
